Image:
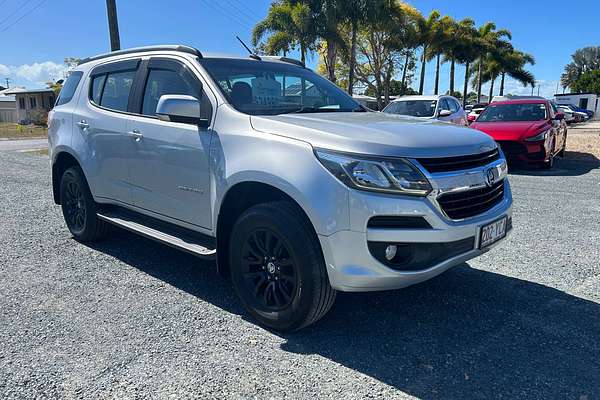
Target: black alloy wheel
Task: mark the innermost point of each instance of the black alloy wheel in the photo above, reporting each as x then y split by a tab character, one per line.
269	270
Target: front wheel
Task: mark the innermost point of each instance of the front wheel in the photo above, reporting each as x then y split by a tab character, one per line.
277	267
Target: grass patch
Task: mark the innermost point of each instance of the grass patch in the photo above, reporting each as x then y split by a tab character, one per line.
16	131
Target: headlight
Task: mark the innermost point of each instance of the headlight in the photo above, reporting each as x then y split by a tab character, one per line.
539	137
391	175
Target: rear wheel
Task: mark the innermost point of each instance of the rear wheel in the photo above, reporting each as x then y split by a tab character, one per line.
79	208
277	267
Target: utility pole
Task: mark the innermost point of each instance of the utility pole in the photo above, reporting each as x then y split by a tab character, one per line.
7	80
113	25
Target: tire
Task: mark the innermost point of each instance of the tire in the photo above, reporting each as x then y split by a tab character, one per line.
79	208
277	267
564	148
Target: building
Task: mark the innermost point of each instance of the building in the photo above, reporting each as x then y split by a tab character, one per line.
32	105
8	107
589	101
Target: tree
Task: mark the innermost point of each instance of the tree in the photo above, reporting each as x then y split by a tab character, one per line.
489	40
289	24
513	64
379	49
584	60
588	82
427	32
440	41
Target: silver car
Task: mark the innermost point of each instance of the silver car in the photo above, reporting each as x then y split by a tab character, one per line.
294	188
439	107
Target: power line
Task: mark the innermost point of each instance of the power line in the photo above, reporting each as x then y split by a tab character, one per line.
249	16
38	5
19	8
232	17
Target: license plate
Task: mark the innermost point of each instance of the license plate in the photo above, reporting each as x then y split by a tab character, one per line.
492	232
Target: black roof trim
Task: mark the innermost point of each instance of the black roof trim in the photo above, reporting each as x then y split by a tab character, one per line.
181	48
286	60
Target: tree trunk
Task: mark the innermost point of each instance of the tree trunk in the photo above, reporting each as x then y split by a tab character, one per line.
491	89
466	85
352	59
479	72
502	84
423	62
331	53
452	77
437	74
302	53
403	81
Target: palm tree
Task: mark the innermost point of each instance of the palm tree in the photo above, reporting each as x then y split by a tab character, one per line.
427	30
290	24
441	40
459	46
356	13
489	41
513	64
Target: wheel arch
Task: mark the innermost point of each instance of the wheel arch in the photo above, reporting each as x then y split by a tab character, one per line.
235	201
62	159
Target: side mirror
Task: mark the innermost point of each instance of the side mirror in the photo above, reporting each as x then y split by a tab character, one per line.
180	108
559	116
445	113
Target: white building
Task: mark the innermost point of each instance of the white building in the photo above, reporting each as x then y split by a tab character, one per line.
589	101
8	107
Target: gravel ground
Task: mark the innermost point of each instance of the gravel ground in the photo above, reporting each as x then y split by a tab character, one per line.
129	318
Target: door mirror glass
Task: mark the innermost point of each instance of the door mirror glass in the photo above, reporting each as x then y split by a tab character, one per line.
180	108
445	113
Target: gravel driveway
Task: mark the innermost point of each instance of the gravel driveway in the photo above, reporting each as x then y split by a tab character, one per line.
129	318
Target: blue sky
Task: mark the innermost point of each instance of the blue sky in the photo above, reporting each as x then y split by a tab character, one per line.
38	34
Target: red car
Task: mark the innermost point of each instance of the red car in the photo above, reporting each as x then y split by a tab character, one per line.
531	131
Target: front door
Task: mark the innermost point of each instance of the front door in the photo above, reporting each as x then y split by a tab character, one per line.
169	168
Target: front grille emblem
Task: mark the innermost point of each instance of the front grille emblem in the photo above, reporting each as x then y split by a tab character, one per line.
490	177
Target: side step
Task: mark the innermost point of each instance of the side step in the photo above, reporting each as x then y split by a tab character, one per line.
180	238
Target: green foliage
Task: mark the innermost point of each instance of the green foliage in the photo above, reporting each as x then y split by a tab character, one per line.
588	82
584	60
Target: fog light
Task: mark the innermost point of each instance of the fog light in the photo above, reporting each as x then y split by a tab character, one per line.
390	252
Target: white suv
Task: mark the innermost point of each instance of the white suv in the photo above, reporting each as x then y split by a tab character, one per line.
438	107
295	188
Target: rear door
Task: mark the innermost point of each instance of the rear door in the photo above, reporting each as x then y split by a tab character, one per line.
169	166
100	129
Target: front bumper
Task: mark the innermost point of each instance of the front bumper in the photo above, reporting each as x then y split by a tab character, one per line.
527	152
352	267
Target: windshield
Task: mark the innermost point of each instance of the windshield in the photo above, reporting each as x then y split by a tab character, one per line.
271	88
513	112
415	108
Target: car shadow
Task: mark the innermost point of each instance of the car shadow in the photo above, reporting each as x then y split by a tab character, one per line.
465	334
574	163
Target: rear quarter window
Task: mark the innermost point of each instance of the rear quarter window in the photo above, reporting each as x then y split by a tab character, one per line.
68	90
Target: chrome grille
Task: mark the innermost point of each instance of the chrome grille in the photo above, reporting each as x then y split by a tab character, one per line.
471	202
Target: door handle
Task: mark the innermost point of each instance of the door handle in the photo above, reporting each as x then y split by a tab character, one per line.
135	134
83	124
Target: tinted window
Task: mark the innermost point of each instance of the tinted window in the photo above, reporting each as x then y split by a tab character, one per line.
444	104
68	89
513	112
97	85
415	108
454	106
161	82
116	90
269	88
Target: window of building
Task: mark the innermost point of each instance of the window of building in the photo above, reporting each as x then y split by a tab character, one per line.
21	103
32	102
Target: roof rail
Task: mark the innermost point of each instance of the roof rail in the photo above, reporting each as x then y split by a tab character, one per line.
176	47
286	60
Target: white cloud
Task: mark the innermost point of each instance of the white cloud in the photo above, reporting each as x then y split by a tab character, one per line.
32	75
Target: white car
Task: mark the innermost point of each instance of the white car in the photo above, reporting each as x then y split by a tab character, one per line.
569	114
442	108
475	111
